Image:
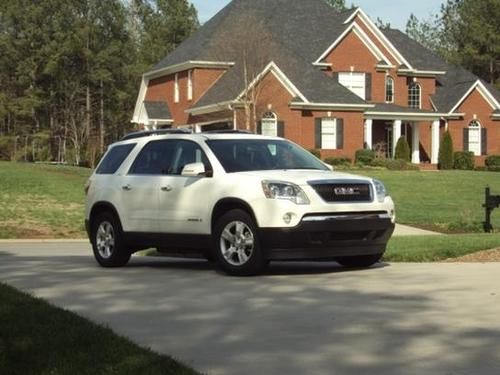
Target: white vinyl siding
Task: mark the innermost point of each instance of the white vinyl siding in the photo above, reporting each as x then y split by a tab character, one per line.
356	82
329	134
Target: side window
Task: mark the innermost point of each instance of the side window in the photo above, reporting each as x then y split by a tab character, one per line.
114	158
187	152
154	159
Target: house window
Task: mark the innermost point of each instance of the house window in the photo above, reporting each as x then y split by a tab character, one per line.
176	88
270	124
475	138
189	86
414	95
356	82
389	89
329	134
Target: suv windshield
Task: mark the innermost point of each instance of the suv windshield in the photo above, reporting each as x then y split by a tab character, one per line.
240	155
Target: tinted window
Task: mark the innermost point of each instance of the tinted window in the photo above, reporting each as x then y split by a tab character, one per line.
114	158
260	155
168	157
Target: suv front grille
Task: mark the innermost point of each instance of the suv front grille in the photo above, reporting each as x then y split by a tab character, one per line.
343	191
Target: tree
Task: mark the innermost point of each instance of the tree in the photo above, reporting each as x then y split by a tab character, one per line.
445	157
466	33
339	5
402	150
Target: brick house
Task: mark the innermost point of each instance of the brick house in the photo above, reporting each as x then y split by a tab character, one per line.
327	80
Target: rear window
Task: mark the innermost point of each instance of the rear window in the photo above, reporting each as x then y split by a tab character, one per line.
114	158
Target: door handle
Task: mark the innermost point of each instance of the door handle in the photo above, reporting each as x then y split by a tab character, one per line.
166	188
127	187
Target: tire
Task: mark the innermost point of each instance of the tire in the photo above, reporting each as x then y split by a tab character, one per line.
236	243
360	261
107	241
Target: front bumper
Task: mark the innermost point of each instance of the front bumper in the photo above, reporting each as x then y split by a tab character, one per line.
329	236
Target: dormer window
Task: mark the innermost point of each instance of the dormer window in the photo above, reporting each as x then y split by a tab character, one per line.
414	95
389	89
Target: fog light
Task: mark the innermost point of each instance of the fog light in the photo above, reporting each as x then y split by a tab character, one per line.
287	218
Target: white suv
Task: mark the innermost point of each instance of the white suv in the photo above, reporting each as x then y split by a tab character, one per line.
239	199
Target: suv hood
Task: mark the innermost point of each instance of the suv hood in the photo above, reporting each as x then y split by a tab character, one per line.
301	177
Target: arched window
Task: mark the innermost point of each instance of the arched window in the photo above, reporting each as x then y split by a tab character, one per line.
414	95
269	124
474	137
389	89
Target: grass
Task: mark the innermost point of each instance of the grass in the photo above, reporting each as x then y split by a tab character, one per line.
446	201
38	338
437	248
41	201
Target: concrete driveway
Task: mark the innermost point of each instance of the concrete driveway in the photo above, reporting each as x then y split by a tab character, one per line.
300	318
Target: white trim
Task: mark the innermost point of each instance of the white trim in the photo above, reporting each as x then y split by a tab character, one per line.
139	104
323	64
484	93
190	85
495	116
177	93
387	77
365	39
380	36
331	106
212	108
420	73
188	65
280	76
410	116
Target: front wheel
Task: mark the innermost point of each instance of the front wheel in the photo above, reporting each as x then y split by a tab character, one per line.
359	261
237	246
107	241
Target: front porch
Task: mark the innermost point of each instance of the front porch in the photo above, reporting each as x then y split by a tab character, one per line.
385	124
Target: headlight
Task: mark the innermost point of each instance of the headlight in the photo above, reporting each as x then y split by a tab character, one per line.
380	190
284	190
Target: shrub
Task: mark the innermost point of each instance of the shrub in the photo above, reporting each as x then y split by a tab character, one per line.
463	160
365	156
316	153
445	158
402	150
6	148
379	162
341	161
400	165
493	163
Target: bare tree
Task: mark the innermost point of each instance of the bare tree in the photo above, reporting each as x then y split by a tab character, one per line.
248	44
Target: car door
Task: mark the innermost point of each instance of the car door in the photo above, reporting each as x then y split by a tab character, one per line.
185	202
140	188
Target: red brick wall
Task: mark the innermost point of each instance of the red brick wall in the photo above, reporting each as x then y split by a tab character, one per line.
162	89
475	104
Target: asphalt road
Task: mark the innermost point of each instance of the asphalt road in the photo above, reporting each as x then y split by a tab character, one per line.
299	318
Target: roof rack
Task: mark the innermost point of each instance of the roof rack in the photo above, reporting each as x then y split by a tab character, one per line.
228	131
147	133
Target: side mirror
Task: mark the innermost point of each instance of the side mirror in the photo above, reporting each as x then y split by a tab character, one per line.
193	170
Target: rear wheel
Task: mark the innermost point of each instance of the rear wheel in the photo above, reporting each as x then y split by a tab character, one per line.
107	241
359	261
237	246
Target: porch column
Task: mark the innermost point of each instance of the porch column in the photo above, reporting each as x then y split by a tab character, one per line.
396	134
369	133
415	143
435	142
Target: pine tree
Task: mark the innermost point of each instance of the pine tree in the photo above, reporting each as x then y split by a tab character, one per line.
402	150
445	157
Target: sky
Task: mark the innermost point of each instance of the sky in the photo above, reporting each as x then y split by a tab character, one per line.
392	11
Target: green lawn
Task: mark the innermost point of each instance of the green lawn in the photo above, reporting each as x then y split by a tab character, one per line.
447	201
436	248
38	338
38	201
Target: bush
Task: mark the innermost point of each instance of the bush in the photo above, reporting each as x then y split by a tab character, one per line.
400	165
365	156
463	160
6	148
445	158
493	163
403	150
341	161
316	153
